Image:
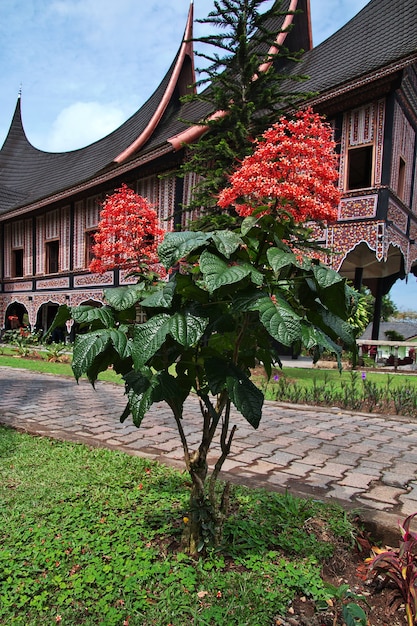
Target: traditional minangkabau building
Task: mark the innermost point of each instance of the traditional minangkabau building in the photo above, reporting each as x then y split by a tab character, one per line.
364	79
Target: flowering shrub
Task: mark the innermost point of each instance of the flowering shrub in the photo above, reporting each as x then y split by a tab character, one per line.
293	170
231	298
128	234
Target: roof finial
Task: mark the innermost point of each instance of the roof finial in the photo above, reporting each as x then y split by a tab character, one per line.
19	95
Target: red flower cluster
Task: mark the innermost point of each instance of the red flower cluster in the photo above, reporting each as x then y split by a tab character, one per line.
128	234
293	169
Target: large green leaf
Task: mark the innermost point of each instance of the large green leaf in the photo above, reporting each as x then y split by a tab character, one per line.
280	259
246	299
247	224
120	342
332	325
246	397
312	337
138	405
139	381
88	314
86	348
217	273
106	359
333	291
281	322
326	276
168	390
186	329
226	242
149	337
217	371
122	298
177	245
162	297
139	392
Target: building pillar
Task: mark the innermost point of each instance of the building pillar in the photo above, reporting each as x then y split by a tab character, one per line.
377	309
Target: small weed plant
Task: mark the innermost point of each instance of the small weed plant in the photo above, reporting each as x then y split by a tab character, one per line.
344	603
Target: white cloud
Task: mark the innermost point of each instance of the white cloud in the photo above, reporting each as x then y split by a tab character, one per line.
83	123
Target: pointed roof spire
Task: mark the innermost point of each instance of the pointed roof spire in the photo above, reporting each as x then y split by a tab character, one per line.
16	132
186	49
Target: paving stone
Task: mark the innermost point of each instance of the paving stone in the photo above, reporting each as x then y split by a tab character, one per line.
319	480
396	479
379	506
129	437
301	448
247	457
278	479
266	449
353	478
333	469
384	493
408	507
103	436
298	469
231	464
281	459
412	491
263	467
315	458
343	492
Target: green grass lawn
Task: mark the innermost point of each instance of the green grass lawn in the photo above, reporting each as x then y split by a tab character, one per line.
37	361
91	536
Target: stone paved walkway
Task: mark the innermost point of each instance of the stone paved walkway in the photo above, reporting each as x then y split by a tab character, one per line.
365	461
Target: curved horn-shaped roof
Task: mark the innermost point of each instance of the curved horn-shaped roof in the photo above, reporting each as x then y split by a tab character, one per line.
28	174
186	49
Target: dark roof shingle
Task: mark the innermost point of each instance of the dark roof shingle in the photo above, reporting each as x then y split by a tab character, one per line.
383	34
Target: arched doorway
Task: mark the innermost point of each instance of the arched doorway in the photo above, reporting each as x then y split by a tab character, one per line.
45	317
16	316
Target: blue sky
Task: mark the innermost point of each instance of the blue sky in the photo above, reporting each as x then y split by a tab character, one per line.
85	66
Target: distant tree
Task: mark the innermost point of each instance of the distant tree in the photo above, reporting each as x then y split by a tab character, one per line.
245	98
388	308
406	315
128	234
361	315
393	335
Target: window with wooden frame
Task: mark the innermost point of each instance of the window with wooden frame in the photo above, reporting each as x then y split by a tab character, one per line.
401	180
360	163
52	257
89	243
17	263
